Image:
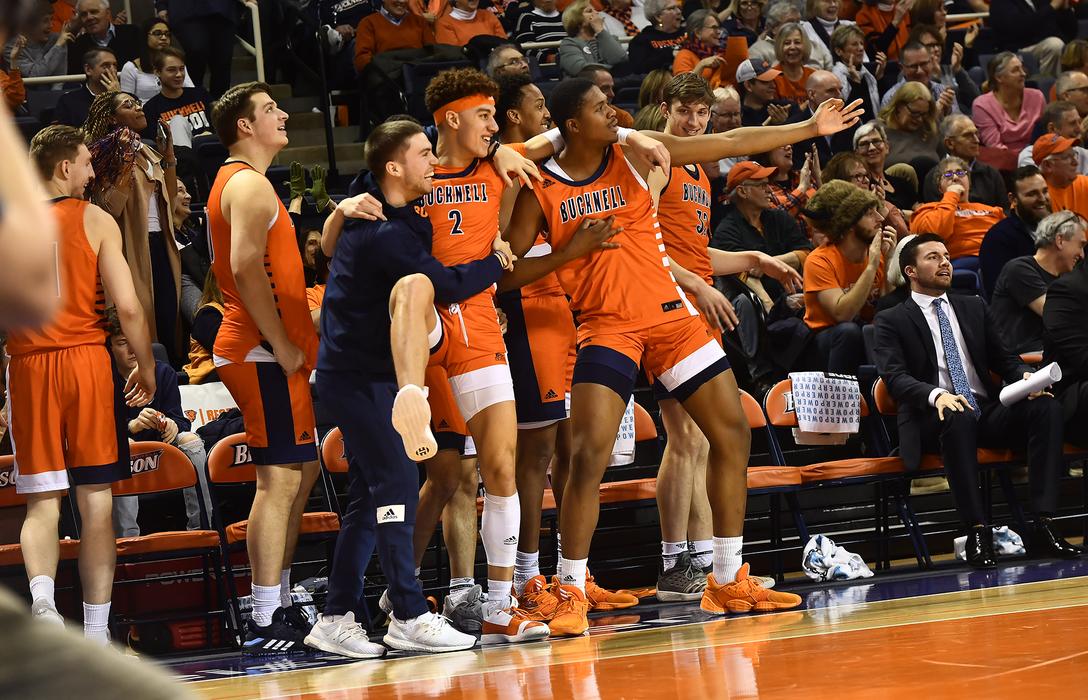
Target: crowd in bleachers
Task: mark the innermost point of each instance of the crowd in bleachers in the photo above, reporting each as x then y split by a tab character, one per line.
974	131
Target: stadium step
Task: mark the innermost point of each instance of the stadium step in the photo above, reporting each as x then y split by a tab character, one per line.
315	135
311	155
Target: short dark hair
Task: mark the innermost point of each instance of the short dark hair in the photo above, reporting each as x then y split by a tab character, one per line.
913	46
159	59
1023	173
688	88
511	91
54	144
909	254
237	102
590	71
386	142
567	100
90	58
455	83
1054	111
113	323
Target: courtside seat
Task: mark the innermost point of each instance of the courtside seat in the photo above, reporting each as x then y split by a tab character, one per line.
773	477
167	542
859	467
615	492
312	524
11	555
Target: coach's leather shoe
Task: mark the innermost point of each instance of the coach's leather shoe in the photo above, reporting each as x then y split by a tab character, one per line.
744	594
979	548
1044	542
572	616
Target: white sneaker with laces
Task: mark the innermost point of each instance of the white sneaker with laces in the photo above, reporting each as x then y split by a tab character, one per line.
45	611
384	604
428	632
344	637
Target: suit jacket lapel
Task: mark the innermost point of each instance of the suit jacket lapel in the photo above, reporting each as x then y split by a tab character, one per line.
914	313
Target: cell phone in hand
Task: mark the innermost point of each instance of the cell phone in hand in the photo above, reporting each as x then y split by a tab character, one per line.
161	130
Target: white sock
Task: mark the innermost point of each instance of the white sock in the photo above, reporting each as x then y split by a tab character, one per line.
265	601
285	588
526	567
727	558
702	553
43	587
670	552
498	592
574	573
96	622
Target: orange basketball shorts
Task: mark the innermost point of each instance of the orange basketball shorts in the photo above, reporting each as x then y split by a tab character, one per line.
276	409
65	422
540	330
681	354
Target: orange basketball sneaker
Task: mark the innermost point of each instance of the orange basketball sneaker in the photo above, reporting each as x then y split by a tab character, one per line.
744	595
604	599
572	616
510	626
537	600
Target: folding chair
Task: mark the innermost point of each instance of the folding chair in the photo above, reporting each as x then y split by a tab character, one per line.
882	472
231	474
160	470
11	555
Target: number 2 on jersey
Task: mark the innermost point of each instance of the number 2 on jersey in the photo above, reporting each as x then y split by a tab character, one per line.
454	215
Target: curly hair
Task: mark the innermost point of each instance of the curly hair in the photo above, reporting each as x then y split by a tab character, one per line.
453	84
101	116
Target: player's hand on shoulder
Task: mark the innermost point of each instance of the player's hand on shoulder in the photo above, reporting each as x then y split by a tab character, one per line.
649	149
509	162
362	206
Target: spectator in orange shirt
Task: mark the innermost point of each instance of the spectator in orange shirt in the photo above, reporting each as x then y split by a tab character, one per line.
792	49
1057	158
886	26
702	52
462	21
389	29
845	276
960	222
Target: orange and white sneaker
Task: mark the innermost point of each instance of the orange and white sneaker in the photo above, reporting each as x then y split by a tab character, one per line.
510	625
572	615
604	599
537	601
745	594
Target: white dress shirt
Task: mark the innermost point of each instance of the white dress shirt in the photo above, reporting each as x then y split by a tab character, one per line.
944	379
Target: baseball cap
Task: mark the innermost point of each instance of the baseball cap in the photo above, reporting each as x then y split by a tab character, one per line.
747	170
756	68
1049	144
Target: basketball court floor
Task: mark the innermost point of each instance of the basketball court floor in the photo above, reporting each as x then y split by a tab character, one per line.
1018	631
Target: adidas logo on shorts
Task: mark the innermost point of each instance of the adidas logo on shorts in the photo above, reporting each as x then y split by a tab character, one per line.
512	539
499	357
551	395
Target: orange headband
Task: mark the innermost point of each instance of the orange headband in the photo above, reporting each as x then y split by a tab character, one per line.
461	105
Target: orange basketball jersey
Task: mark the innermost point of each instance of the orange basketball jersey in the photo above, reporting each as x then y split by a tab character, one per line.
618	290
80	318
684	212
463	206
239	340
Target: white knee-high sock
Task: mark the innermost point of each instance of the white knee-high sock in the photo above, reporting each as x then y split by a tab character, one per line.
499	527
727	558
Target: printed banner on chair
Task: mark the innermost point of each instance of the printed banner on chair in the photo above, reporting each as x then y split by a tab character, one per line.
203	403
826	403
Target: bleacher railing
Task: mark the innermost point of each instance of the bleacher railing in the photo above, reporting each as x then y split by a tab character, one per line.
256	49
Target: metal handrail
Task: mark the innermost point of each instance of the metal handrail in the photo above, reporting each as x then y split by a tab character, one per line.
256	49
50	79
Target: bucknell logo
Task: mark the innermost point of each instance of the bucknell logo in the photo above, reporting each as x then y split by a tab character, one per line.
191	415
7	478
241	455
146	463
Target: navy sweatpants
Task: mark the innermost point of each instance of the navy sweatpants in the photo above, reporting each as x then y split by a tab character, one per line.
383	488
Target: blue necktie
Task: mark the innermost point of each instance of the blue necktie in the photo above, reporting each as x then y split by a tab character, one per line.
952	357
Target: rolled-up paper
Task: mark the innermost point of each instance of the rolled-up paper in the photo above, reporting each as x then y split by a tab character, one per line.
1017	391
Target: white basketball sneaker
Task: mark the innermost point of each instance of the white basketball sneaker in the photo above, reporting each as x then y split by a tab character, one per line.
344	637
412	420
428	632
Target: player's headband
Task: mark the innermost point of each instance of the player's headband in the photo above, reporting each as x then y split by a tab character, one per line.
460	105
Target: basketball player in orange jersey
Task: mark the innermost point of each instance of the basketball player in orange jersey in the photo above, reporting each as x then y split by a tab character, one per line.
683	211
631	309
62	394
264	352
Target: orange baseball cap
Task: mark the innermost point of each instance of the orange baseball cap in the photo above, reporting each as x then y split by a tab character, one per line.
747	170
1049	144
